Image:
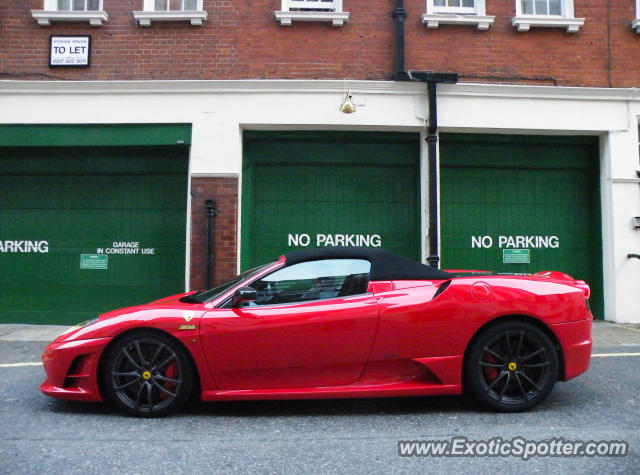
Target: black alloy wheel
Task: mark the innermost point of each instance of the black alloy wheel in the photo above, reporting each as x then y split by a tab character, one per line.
511	366
147	374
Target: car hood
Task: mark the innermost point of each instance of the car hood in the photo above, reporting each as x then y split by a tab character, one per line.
172	301
101	326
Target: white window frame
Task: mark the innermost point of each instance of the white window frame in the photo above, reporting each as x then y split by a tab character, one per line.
150	6
478	5
311	10
54	6
50	13
635	24
565	20
476	15
149	14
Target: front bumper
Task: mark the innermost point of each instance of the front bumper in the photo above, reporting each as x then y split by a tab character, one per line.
575	343
72	369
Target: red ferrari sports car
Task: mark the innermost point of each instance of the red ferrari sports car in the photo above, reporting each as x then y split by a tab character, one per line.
333	323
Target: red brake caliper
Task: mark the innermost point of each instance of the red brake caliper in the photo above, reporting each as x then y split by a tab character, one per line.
490	372
171	372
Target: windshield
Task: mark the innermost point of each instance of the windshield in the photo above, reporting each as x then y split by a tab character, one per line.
209	295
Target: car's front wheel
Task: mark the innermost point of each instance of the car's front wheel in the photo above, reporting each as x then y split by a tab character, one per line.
511	366
147	374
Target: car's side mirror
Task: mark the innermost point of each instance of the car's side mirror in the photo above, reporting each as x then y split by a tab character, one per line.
243	296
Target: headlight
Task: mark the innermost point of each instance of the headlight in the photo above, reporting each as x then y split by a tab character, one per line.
80	325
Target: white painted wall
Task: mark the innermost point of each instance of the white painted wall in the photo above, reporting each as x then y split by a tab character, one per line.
220	110
621	196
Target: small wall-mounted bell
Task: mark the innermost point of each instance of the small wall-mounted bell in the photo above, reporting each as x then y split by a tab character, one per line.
347	106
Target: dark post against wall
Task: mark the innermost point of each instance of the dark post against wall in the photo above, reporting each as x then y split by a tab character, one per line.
399	14
210	206
432	147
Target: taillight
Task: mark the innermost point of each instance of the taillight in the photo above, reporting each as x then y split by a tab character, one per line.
582	285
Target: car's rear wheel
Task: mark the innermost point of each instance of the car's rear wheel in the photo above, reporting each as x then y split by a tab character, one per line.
511	366
147	374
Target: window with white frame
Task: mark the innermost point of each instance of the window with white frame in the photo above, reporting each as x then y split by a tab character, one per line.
453	6
170	10
457	12
311	10
546	13
314	5
541	7
70	10
175	5
79	5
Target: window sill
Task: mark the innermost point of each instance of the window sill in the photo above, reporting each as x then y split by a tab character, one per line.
336	18
196	17
45	17
524	22
434	20
635	24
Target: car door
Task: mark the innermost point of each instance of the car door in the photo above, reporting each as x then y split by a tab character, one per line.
312	324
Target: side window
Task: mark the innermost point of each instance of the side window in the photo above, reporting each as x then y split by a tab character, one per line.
314	280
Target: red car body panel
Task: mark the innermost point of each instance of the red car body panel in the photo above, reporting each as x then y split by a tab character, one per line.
72	369
575	342
401	338
308	344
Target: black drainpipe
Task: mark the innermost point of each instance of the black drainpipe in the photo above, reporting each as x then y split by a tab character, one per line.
399	13
210	206
432	147
432	79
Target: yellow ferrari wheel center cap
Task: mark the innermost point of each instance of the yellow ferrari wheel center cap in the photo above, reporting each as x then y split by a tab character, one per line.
147	374
512	366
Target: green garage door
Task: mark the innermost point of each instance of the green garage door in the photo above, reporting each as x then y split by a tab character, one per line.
89	229
522	204
304	190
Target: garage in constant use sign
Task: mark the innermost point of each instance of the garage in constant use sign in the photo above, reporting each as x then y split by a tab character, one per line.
69	51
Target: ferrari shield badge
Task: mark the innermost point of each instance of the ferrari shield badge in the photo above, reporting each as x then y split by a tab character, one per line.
188	315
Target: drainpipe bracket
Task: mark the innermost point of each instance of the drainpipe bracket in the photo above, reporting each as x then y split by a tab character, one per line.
399	13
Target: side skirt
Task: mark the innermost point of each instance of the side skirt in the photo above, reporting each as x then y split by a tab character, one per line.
337	392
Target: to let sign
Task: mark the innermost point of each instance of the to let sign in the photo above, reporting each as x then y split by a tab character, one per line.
69	51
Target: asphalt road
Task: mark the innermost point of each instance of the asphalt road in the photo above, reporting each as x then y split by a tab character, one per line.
43	435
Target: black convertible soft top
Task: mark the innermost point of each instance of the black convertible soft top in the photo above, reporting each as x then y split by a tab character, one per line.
384	265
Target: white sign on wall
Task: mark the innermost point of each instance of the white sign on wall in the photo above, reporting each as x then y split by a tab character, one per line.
24	246
128	248
304	240
69	50
516	242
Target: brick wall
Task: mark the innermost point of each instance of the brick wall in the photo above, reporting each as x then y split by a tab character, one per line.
225	192
544	56
242	40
